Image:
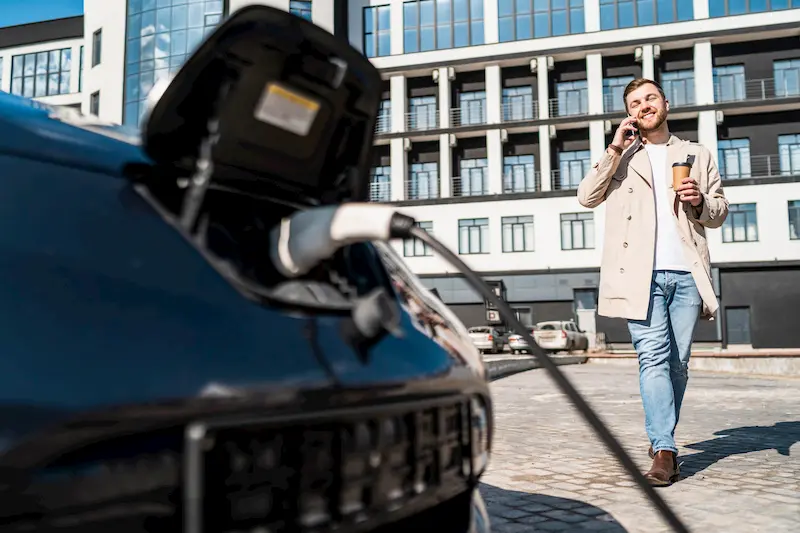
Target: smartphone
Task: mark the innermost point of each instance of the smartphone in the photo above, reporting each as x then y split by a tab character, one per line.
630	134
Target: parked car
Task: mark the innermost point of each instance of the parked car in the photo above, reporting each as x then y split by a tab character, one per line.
517	344
487	339
158	374
561	335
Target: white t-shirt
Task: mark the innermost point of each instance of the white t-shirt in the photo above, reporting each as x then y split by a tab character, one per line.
669	249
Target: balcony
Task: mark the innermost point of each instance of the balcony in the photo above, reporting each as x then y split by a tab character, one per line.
565	181
476	184
422	186
380	191
760	166
519	110
573	104
473	114
515	182
422	118
737	89
613	103
383	124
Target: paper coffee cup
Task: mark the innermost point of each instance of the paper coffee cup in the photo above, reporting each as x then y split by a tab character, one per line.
679	172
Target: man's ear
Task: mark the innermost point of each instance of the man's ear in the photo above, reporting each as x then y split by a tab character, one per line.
667	101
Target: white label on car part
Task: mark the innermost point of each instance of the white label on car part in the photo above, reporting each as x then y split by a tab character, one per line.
286	109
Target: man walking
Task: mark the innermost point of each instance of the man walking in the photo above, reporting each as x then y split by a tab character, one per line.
655	269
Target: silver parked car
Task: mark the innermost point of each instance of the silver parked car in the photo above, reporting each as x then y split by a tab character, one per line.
560	335
486	339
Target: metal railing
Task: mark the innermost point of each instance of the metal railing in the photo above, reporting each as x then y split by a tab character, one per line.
557	179
760	166
422	187
612	103
519	111
470	185
519	182
680	94
473	114
383	124
422	118
570	106
731	89
380	191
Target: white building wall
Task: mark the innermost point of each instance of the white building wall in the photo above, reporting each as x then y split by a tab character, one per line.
107	77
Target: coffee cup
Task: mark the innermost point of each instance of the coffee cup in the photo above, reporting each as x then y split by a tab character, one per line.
680	171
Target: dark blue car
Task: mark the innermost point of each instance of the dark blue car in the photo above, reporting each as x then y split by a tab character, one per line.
157	374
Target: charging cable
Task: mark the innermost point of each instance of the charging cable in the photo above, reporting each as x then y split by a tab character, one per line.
306	238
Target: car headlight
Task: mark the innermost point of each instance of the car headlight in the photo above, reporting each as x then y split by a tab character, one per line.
480	435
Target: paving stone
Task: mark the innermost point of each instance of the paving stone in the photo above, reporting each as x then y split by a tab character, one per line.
738	440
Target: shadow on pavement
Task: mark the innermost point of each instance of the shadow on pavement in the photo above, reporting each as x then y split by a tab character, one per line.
736	441
514	511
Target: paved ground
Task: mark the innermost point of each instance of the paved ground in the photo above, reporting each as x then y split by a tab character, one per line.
739	441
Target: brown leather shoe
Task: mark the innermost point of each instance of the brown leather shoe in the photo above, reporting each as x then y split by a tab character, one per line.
665	469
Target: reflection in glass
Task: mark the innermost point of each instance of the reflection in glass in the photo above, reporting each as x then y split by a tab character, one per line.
41	74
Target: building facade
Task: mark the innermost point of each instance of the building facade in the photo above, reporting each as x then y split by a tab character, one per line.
492	113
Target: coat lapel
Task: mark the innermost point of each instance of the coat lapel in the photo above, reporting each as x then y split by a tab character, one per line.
675	153
640	163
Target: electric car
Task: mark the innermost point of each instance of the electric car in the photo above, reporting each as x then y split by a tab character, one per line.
160	373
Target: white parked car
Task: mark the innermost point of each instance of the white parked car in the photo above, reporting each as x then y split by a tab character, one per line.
517	344
486	339
557	336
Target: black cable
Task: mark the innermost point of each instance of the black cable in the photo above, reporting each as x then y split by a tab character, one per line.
561	380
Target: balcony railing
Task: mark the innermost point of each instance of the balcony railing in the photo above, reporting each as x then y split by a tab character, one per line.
680	94
383	124
519	182
473	114
729	89
380	191
612	103
421	118
576	103
760	166
519	111
476	185
423	186
564	181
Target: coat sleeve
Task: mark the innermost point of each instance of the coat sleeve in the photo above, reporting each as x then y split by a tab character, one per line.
592	190
714	209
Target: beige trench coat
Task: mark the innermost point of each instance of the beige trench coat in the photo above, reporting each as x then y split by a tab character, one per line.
624	182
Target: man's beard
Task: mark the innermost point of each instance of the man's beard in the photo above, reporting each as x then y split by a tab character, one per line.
661	117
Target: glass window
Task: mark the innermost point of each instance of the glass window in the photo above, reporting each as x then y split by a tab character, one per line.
789	154
741	224
473	236
787	78
423	112
723	8
572	167
518	103
94	103
529	19
471	108
734	158
573	98
729	84
474	178
159	37
380	184
519	174
41	74
298	7
80	70
415	247
629	13
577	231
97	47
794	219
440	24
424	182
384	118
678	87
1	73
517	234
377	31
613	90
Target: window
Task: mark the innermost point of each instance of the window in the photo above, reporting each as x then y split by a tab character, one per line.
529	19
384	119
518	103
623	14
734	158
424	182
577	231
794	219
787	77
472	108
789	154
94	103
422	113
613	91
474	178
416	248
380	184
723	8
299	8
1	73
729	83
80	70
41	74
572	167
377	30
439	24
97	47
473	236
573	98
519	174
585	299
517	234
158	39
678	87
741	224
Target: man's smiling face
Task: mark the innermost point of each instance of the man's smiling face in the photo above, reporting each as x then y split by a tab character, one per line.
648	106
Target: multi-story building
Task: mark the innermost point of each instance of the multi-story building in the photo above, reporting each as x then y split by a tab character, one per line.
493	112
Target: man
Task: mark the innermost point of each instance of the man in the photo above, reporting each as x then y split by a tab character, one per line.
655	268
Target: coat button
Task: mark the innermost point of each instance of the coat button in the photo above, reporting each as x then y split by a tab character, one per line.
621	270
630	189
629	217
624	244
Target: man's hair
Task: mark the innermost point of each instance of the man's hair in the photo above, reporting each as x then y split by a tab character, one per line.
635	84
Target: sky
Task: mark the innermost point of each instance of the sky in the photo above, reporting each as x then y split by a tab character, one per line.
14	12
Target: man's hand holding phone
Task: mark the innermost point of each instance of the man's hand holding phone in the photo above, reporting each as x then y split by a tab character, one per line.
625	134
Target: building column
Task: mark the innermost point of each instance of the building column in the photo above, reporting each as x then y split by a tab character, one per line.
446	172
491	33
703	74
648	62
543	89
397	152
700	8
322	15
594	79
707	131
494	144
591	15
445	95
597	139
398	99
395	28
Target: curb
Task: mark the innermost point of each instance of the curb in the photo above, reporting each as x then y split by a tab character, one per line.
501	367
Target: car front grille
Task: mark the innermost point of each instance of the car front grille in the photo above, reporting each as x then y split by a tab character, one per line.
349	471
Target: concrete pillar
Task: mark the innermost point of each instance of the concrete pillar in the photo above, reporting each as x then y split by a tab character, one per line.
494	95
396	28
707	131
445	95
594	78
591	15
703	73
545	165
597	139
648	62
494	146
398	99
491	32
543	87
494	155
446	171
700	8
322	15
399	174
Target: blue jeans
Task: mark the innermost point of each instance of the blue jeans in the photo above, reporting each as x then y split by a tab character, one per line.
663	343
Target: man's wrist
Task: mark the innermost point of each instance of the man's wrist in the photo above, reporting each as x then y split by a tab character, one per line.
615	149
